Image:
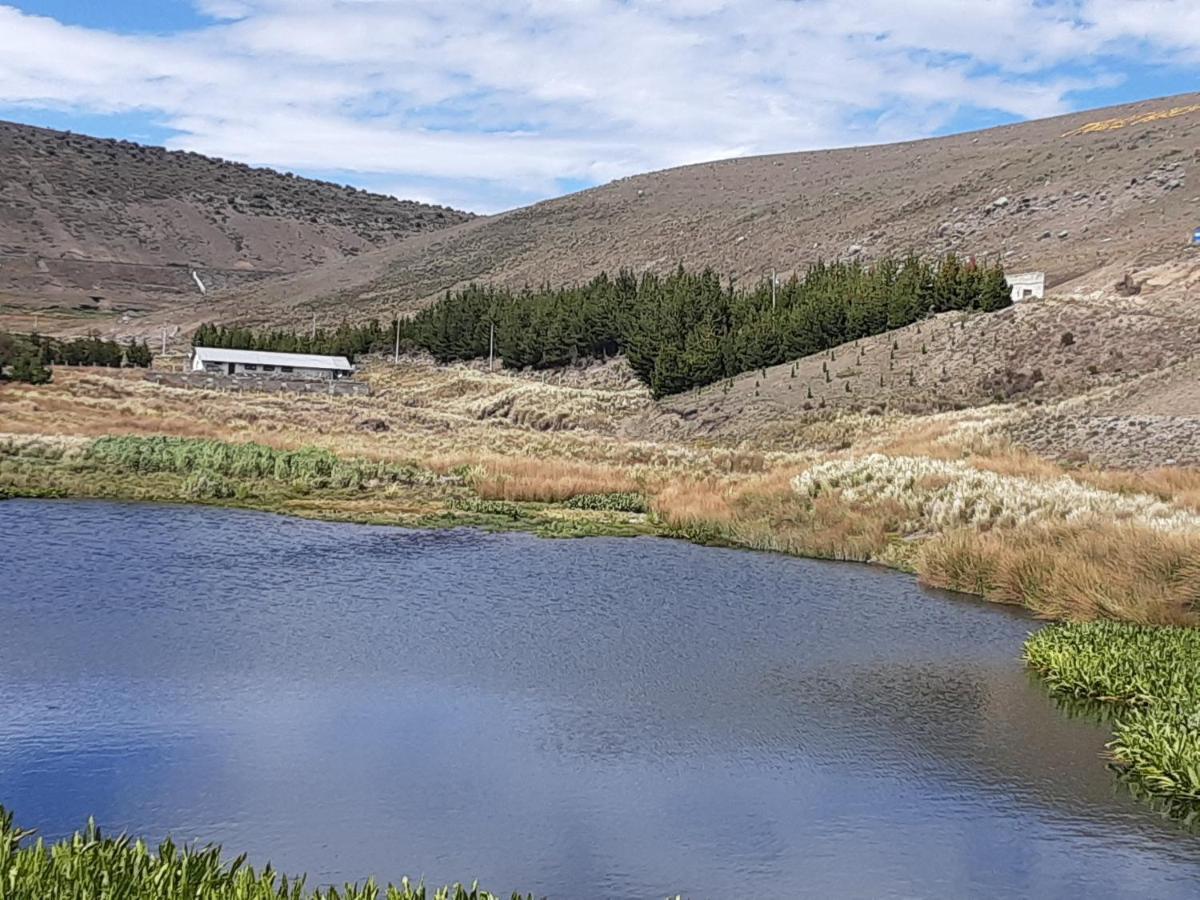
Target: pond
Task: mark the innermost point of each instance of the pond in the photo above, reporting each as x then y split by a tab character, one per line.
610	718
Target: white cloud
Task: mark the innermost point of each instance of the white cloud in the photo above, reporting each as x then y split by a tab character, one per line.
506	100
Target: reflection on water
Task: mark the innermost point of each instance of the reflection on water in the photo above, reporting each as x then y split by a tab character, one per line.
600	718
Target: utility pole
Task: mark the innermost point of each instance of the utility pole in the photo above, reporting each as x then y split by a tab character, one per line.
773	283
164	342
491	346
396	354
313	334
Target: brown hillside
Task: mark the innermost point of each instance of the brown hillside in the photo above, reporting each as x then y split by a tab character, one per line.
1083	197
90	225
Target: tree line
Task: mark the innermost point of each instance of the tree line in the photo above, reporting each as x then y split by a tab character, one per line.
678	331
346	340
27	357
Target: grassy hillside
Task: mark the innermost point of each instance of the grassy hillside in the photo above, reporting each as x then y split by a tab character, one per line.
1083	197
90	226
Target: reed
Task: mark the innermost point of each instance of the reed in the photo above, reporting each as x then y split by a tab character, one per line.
1151	677
218	459
617	501
93	866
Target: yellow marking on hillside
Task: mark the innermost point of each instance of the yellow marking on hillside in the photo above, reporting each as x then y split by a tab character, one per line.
1126	121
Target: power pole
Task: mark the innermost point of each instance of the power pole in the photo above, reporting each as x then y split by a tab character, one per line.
313	334
396	354
491	346
164	342
773	283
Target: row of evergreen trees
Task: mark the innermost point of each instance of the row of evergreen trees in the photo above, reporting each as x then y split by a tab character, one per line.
678	331
27	357
686	330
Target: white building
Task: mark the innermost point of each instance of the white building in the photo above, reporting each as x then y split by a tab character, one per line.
217	360
1027	285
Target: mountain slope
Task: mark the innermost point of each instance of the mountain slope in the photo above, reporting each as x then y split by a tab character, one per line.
1082	197
83	218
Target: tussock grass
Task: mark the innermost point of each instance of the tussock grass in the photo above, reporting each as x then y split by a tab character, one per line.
93	865
1151	677
941	495
548	481
1078	571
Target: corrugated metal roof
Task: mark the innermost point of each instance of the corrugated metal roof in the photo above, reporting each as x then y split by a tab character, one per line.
267	358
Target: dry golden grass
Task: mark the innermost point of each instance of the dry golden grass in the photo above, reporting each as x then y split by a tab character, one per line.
1074	571
1180	485
547	481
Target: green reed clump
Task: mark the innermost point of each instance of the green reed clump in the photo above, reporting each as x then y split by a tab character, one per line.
206	486
92	866
1151	676
617	501
501	508
309	465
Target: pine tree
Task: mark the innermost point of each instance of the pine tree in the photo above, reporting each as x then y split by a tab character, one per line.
28	368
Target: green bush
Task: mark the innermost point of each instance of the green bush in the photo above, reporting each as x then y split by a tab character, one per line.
91	866
488	507
1150	676
628	502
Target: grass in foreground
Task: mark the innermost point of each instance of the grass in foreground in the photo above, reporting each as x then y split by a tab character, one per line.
91	866
1150	677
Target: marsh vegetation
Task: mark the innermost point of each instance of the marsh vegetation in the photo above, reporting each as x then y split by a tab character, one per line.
97	866
1149	678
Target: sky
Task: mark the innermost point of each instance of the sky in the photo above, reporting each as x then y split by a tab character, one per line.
491	104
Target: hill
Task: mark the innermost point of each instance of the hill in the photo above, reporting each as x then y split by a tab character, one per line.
1084	197
93	226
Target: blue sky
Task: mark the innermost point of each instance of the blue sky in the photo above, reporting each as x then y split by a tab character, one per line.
490	104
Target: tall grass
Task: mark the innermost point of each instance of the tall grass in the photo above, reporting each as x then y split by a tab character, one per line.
1075	571
92	866
1151	676
548	480
210	461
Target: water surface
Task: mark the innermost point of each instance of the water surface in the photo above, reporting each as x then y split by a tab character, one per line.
581	719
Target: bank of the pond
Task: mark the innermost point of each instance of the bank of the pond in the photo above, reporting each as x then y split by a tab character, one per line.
91	864
1149	678
309	483
1062	548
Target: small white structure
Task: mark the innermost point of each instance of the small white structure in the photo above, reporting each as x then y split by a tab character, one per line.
1027	286
219	361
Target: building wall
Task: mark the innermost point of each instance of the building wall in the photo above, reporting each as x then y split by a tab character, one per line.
220	368
1027	286
341	387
